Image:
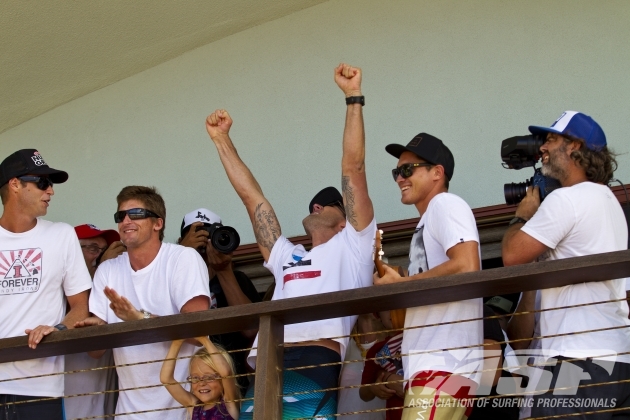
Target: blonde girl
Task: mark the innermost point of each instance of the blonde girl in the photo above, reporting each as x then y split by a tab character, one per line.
212	387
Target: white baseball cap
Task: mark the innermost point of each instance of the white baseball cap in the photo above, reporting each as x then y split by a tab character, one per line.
200	215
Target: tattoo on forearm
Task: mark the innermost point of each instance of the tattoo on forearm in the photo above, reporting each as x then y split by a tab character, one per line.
266	227
348	193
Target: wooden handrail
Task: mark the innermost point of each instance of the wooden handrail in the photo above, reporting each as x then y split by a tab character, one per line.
328	305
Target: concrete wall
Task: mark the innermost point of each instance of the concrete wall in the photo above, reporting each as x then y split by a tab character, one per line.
469	72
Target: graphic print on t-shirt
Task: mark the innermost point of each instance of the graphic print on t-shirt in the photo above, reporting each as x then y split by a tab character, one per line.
299	262
417	254
20	271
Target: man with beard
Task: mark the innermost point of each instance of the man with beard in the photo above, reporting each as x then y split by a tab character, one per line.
342	230
581	218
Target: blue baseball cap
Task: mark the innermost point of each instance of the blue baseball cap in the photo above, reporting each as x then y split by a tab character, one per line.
575	124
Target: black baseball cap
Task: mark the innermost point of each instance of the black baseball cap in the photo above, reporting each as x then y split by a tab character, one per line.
428	148
28	162
328	195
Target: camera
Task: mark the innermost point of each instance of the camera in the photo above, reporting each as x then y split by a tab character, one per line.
224	239
520	152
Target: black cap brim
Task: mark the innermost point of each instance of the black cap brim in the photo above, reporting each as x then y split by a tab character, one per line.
396	150
56	176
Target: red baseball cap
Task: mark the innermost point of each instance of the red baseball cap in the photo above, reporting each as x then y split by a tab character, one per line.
91	231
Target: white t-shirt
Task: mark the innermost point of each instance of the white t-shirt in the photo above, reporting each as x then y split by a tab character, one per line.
176	275
584	219
38	269
344	262
447	222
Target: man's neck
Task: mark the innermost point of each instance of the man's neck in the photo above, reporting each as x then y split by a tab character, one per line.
15	221
141	257
574	176
424	204
321	236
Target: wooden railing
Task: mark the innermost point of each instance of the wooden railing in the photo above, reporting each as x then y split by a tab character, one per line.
270	317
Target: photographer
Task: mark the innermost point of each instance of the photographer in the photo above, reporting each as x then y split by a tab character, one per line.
228	286
581	218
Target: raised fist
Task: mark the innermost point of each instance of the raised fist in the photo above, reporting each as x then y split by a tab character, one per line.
218	123
348	78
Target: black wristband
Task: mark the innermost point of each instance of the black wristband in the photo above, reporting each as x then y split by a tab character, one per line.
517	220
60	327
355	100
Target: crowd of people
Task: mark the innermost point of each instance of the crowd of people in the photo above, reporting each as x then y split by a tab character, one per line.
430	362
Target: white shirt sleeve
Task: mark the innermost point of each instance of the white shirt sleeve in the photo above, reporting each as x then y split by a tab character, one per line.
189	279
457	222
553	221
361	244
280	253
76	278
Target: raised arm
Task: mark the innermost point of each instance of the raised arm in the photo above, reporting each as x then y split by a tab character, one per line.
359	210
264	220
167	377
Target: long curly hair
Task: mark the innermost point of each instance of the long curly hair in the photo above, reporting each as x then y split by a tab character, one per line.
599	165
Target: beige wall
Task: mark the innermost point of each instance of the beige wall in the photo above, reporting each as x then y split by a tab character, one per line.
469	72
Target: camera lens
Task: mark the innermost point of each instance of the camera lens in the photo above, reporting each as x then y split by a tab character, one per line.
514	192
225	239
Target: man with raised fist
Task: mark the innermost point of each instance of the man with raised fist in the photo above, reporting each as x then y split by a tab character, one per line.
341	229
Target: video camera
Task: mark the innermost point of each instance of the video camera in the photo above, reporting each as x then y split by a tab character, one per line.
224	239
520	152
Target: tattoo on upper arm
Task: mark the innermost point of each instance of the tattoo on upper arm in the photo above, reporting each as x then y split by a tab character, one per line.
266	227
348	194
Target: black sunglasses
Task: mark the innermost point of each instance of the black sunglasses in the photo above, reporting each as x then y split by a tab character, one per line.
134	214
40	181
406	170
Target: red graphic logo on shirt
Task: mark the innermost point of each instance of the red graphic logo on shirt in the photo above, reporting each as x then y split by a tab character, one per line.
302	275
20	271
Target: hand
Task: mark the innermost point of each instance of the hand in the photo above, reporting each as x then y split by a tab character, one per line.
121	306
204	340
37	334
113	251
390	276
396	385
195	238
381	390
218	261
348	79
90	321
218	123
530	203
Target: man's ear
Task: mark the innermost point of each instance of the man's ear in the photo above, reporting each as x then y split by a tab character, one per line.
159	224
439	171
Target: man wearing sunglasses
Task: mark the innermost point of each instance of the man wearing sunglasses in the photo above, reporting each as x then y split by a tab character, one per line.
151	279
341	229
445	242
41	268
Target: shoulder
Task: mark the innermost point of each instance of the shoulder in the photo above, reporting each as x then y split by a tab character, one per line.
449	206
446	202
118	263
175	251
59	228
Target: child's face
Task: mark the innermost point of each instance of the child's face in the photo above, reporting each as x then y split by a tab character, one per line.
209	390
